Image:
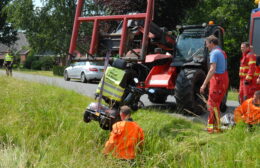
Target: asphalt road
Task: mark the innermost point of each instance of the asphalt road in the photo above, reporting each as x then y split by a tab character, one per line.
88	89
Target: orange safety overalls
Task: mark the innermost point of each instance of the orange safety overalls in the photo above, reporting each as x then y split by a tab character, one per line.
217	89
124	140
247	75
247	112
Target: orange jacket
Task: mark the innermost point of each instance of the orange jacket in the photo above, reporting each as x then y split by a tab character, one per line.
247	66
247	112
124	140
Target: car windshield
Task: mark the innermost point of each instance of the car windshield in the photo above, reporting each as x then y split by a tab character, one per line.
97	63
189	46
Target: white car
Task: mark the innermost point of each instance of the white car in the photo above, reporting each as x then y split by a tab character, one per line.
85	71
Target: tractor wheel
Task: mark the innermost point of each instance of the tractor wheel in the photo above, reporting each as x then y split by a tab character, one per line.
187	91
86	117
83	78
157	98
66	76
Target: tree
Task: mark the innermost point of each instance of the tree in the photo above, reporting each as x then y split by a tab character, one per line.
7	32
234	16
48	28
168	13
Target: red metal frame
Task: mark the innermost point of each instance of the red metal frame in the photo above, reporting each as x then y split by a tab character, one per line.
148	16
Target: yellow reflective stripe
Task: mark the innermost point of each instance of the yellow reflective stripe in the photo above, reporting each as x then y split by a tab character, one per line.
248	77
256	74
113	92
210	126
109	93
245	67
251	62
118	94
114	87
242	74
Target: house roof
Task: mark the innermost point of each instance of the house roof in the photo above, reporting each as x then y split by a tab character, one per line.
18	45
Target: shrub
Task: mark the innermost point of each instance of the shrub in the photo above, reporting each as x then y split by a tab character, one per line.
46	62
29	61
36	65
58	70
39	63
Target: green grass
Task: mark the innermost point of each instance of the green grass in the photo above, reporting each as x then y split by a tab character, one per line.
233	95
41	126
35	72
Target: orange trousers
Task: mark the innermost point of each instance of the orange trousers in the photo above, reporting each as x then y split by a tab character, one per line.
217	90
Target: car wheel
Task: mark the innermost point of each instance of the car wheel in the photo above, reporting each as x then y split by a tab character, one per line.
83	78
66	76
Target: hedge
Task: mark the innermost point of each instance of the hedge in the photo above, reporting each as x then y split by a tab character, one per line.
58	70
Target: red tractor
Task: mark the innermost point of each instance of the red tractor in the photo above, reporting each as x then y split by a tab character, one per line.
162	64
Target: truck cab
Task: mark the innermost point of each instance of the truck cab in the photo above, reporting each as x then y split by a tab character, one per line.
254	34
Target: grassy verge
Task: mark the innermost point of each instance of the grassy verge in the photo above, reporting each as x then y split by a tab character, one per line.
35	72
41	126
233	95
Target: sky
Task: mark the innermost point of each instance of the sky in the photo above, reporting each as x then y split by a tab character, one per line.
37	3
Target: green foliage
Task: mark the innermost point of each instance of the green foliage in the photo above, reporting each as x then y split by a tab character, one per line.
234	16
28	63
39	63
168	13
7	32
36	65
47	63
233	95
58	70
48	28
41	126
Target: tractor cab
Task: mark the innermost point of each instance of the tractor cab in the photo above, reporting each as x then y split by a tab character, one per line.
190	46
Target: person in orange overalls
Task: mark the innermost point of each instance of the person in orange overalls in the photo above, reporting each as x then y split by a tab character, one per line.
249	111
126	137
247	75
218	80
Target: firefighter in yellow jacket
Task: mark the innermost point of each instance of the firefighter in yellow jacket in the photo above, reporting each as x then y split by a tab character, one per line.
247	73
8	63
